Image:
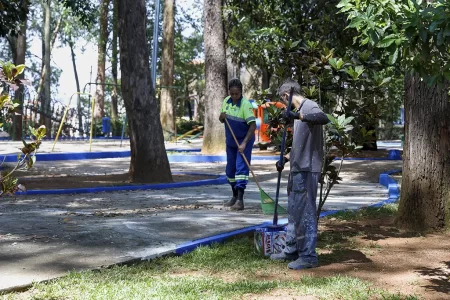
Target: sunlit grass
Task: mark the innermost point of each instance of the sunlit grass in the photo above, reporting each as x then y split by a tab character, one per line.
388	210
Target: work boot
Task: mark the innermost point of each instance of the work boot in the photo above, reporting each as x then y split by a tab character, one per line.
233	199
239	205
301	264
284	256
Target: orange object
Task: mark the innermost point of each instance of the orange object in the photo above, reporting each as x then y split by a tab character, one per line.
263	117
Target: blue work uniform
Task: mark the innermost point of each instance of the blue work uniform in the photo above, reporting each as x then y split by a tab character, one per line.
239	116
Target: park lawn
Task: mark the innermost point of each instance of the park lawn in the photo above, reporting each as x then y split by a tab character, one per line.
350	254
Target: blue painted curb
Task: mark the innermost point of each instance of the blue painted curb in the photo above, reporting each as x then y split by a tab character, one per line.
174	158
384	179
160	186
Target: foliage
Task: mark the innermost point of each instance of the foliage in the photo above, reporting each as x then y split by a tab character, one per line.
414	32
184	126
26	159
338	143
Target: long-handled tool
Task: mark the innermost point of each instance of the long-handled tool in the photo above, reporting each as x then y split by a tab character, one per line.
283	142
267	203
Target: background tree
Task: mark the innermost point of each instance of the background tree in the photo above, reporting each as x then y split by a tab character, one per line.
167	102
215	77
101	61
417	35
149	162
18	42
114	61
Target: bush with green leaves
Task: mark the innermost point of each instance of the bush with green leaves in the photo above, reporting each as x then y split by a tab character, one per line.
9	82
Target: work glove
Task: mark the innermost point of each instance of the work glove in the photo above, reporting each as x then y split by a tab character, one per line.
291	116
280	164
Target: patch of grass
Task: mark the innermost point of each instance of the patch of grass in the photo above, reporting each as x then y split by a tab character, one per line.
388	210
227	271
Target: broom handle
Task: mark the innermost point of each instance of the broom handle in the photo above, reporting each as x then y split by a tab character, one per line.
243	155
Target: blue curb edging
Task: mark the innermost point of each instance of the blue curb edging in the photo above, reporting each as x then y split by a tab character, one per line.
220	238
384	179
215	181
174	158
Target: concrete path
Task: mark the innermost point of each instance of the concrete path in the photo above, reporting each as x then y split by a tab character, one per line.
43	237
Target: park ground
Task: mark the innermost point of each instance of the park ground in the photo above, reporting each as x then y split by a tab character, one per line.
362	255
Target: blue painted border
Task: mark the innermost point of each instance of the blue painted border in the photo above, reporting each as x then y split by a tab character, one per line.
174	158
384	179
218	180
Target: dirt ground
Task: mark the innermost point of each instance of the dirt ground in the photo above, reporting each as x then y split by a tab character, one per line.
375	250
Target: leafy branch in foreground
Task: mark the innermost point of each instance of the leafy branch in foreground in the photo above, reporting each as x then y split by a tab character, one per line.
27	157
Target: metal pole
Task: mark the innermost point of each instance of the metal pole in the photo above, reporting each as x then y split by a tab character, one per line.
123	129
155	43
90	80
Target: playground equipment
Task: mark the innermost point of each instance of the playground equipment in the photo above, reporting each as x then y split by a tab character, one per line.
64	118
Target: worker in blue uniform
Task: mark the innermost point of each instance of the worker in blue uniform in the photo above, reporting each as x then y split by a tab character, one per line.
239	113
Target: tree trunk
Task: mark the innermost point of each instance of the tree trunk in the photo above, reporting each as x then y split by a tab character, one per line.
149	162
266	75
216	77
19	52
99	111
77	82
167	95
46	101
114	96
425	192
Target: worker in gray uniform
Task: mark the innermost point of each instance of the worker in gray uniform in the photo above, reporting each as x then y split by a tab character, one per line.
306	159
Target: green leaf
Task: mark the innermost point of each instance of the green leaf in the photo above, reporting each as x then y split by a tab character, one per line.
387	41
440	38
294	44
393	57
20	69
423	34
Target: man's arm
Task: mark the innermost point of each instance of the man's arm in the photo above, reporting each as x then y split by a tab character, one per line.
314	116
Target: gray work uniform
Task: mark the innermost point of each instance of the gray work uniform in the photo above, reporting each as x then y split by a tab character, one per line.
306	159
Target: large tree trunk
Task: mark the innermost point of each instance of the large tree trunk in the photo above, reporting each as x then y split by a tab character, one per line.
425	192
46	100
149	162
99	111
40	92
167	95
114	96
19	52
216	77
266	75
77	82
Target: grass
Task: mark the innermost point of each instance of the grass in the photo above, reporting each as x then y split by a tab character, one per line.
388	210
227	271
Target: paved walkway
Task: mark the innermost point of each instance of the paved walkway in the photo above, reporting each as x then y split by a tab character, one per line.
43	237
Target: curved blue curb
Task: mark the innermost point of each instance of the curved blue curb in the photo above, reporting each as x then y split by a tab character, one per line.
159	186
393	188
385	179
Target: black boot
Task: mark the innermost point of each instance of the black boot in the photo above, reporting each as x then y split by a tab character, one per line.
239	205
232	201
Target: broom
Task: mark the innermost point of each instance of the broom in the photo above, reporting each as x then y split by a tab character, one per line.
267	204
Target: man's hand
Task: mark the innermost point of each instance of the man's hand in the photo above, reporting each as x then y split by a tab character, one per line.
222	117
292	116
280	164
